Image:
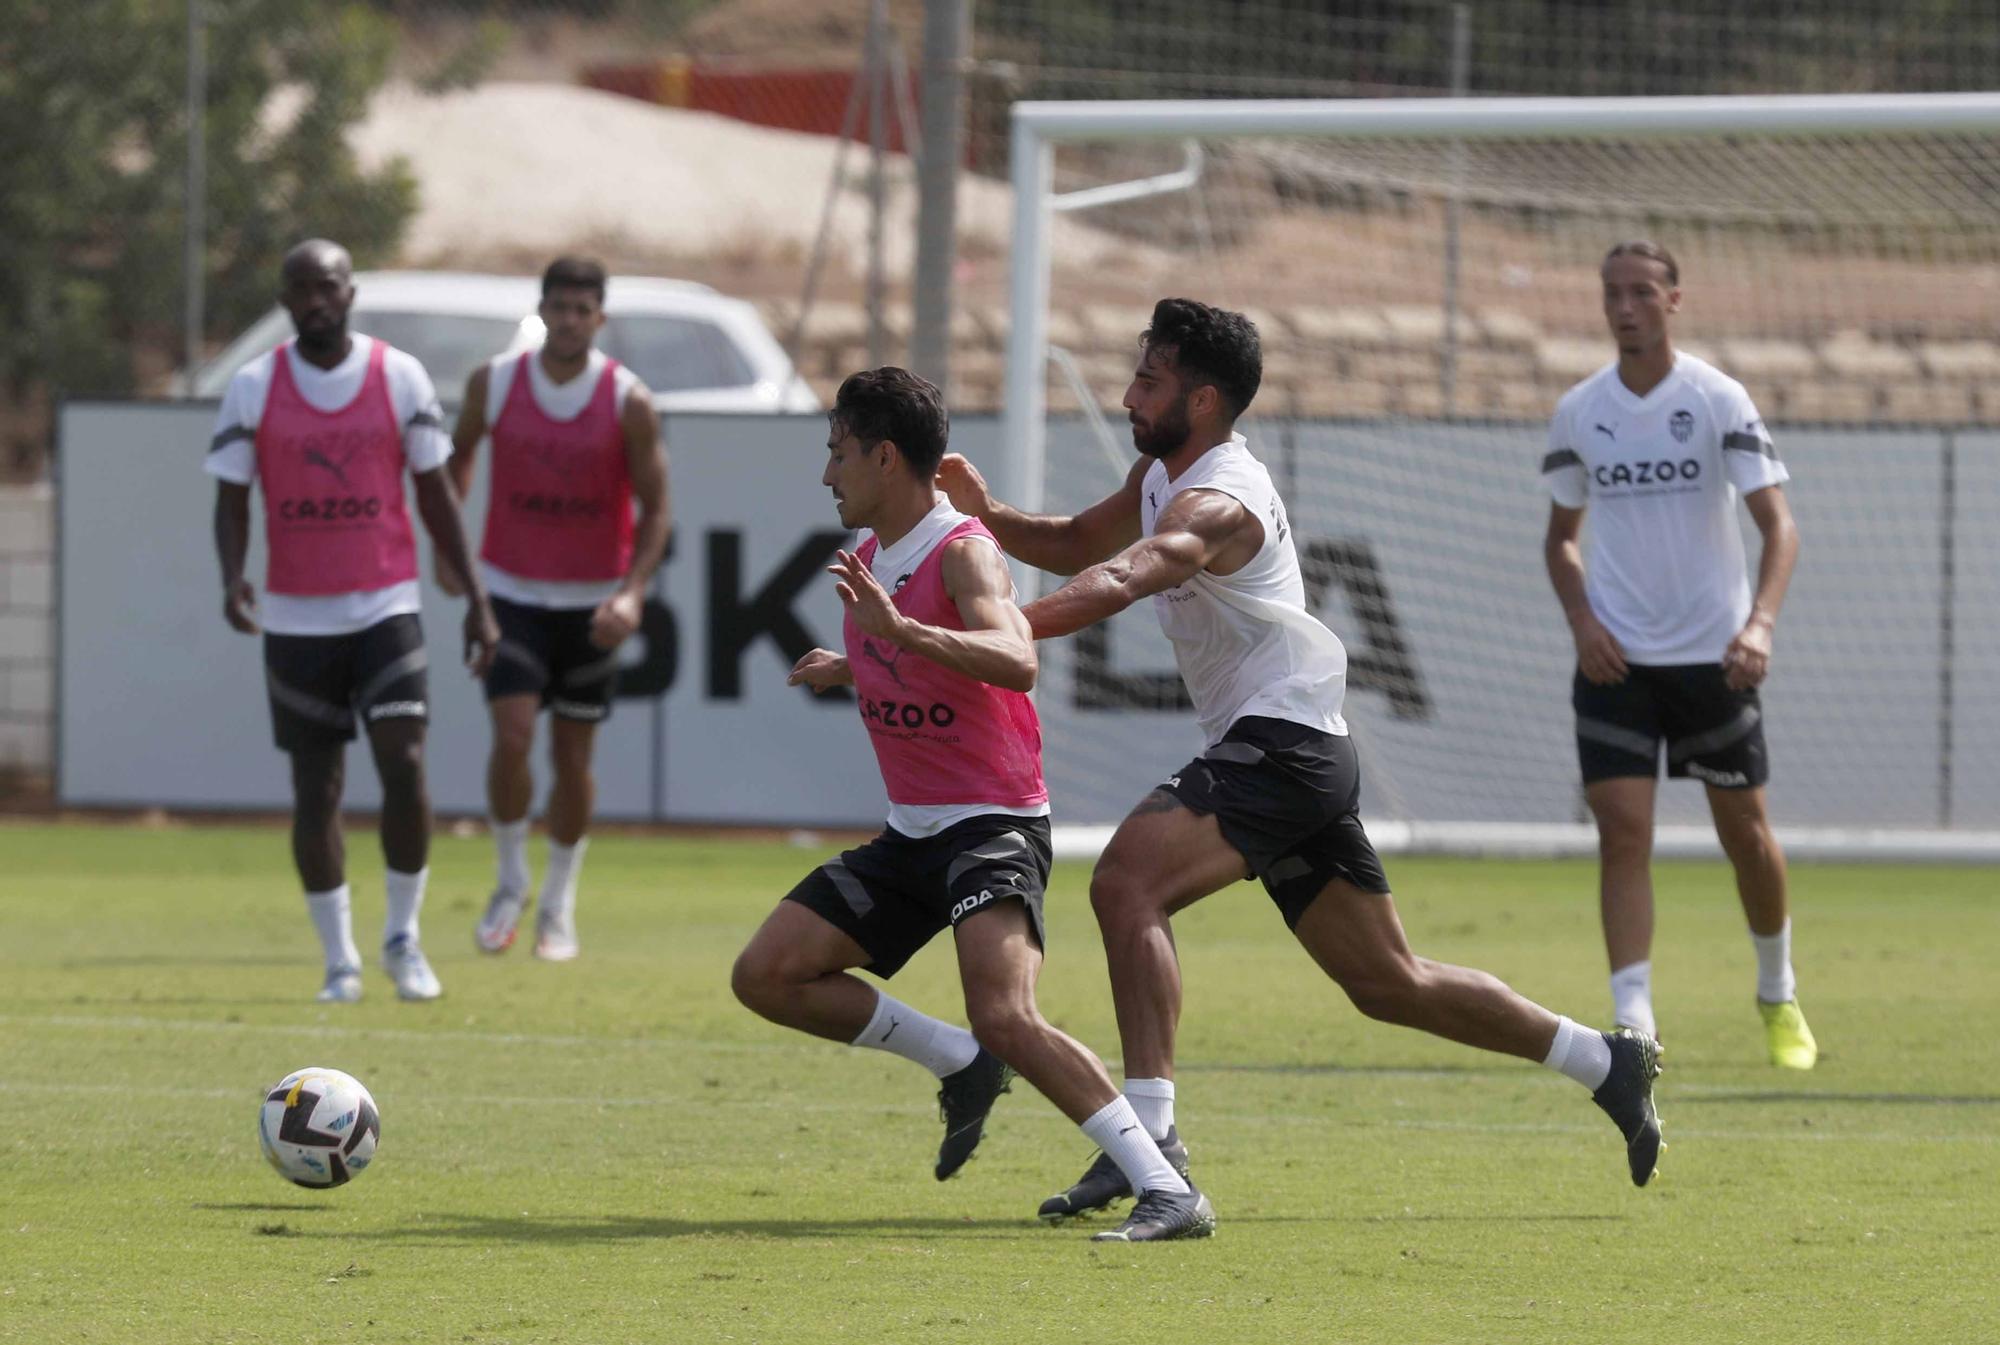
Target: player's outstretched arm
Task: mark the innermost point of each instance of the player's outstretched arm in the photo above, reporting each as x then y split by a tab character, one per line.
232	545
465	438
821	670
1198	528
1058	545
1748	658
994	647
437	504
646	463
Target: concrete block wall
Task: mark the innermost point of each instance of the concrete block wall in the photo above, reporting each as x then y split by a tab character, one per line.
27	631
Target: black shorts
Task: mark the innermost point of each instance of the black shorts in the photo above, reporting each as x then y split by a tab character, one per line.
318	683
1287	797
892	894
546	652
1712	733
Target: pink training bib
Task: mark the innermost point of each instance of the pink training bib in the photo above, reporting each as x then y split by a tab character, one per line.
561	506
334	512
942	737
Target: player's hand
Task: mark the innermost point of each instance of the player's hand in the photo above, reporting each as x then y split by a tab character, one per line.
482	636
865	598
961	481
449	581
820	670
1597	653
615	619
239	607
1748	658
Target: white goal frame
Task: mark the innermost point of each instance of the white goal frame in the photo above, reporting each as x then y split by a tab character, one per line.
1040	127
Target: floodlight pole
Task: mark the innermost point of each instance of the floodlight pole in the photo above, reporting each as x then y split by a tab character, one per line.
193	227
946	23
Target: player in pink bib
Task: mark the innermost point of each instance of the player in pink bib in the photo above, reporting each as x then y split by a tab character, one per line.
941	661
576	444
327	426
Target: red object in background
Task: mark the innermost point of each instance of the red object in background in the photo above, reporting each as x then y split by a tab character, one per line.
811	100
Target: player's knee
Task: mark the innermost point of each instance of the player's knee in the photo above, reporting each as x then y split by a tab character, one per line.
1114	895
316	794
1624	840
402	768
1748	841
1387	994
571	766
1004	1025
754	980
513	742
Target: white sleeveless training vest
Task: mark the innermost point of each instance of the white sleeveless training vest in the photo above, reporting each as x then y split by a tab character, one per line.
1245	643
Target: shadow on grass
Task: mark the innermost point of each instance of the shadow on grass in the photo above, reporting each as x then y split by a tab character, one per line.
142	1000
256	1207
1498	1067
1802	1095
1480	1219
560	1230
183	960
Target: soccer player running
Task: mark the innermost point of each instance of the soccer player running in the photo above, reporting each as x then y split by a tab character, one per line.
327	424
941	661
1671	646
575	442
1198	527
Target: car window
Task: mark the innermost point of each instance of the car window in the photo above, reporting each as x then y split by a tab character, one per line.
672	354
449	345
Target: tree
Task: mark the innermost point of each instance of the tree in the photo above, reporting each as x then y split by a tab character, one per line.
92	102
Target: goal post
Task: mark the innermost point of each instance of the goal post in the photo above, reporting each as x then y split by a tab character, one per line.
1853	235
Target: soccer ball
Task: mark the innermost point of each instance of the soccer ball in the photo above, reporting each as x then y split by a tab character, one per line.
318	1127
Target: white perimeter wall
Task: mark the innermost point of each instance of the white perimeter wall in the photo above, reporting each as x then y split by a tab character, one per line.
161	704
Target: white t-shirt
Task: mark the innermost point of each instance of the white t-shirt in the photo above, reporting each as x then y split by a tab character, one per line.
232	456
892	566
1245	643
1664	566
558	401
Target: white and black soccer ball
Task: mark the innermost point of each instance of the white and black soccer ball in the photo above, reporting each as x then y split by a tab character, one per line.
318	1127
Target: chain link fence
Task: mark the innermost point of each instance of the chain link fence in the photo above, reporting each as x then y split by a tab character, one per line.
702	139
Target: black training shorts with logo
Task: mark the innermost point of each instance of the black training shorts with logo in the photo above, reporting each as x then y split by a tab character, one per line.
1712	732
546	652
1287	798
894	893
318	683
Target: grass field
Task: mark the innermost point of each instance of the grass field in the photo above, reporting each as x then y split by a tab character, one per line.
613	1150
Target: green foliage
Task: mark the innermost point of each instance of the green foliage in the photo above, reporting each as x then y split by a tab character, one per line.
91	224
615	1150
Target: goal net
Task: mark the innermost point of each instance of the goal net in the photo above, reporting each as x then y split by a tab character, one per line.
1424	275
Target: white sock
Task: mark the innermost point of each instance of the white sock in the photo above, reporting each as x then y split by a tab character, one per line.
335	922
1580	1053
1153	1099
940	1047
510	848
1775	982
559	883
1632	996
406	898
1117	1129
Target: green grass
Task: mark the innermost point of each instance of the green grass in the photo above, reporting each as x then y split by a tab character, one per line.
613	1150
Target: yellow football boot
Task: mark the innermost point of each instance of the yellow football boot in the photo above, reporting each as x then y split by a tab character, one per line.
1785	1032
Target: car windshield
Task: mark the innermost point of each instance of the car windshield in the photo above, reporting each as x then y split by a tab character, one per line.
671	354
449	345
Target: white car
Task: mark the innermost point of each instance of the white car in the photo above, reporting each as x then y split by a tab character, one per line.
696	349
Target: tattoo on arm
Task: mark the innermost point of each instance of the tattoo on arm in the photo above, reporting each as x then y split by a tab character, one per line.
1159	801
